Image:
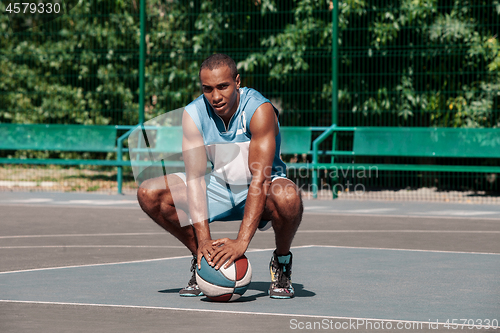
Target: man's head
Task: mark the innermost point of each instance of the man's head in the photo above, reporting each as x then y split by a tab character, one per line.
220	82
218	60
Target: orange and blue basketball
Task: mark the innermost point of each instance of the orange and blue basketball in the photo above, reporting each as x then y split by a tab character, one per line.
224	284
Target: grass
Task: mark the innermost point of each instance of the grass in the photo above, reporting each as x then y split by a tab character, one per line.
103	180
63	179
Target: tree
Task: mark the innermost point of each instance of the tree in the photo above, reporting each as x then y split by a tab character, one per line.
404	62
80	68
401	62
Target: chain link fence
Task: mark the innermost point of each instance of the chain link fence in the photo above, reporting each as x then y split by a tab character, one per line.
424	63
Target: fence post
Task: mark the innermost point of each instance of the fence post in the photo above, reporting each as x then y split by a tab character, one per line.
335	63
142	59
335	75
142	64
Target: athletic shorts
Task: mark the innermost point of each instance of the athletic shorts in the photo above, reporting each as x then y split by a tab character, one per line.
226	202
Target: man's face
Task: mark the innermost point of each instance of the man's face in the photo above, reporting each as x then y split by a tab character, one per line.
221	90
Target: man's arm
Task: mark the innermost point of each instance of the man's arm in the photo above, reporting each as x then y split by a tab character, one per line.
260	159
195	160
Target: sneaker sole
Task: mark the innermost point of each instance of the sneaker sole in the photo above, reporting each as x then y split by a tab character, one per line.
191	295
281	297
278	296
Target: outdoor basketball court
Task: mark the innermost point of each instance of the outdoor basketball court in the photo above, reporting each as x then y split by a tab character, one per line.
97	263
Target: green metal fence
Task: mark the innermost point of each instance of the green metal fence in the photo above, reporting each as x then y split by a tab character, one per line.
282	49
80	68
420	64
383	63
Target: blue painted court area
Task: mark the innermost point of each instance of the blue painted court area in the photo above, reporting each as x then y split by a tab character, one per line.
329	281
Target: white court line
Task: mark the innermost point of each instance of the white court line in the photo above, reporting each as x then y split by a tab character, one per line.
91	246
249	250
91	265
378	231
32	200
404	216
129	262
85	235
357	319
428	213
84	203
69	206
106	234
458	212
408	250
306	211
371	210
268	231
314	207
96	202
402	231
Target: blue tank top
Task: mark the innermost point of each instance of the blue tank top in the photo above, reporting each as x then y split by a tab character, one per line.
227	148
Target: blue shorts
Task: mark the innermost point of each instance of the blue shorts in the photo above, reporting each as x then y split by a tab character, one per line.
226	202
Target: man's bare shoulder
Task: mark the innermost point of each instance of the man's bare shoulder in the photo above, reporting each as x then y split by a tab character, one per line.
264	120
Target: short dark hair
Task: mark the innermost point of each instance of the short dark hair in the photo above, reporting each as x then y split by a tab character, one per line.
217	60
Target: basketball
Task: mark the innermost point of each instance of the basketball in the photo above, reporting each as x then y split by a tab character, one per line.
224	284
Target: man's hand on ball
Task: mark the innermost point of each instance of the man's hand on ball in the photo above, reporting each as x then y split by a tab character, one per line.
205	249
226	251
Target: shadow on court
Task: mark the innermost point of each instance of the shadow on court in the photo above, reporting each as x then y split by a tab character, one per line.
261	286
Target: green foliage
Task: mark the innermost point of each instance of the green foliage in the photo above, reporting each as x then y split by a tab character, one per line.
406	62
401	62
423	58
73	70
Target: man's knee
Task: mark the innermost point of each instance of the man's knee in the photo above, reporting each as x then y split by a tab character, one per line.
147	198
286	196
150	191
162	191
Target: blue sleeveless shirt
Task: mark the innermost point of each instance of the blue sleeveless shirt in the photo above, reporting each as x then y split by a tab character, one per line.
227	148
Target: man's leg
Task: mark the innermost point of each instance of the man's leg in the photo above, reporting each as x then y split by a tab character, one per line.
156	198
164	199
284	209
